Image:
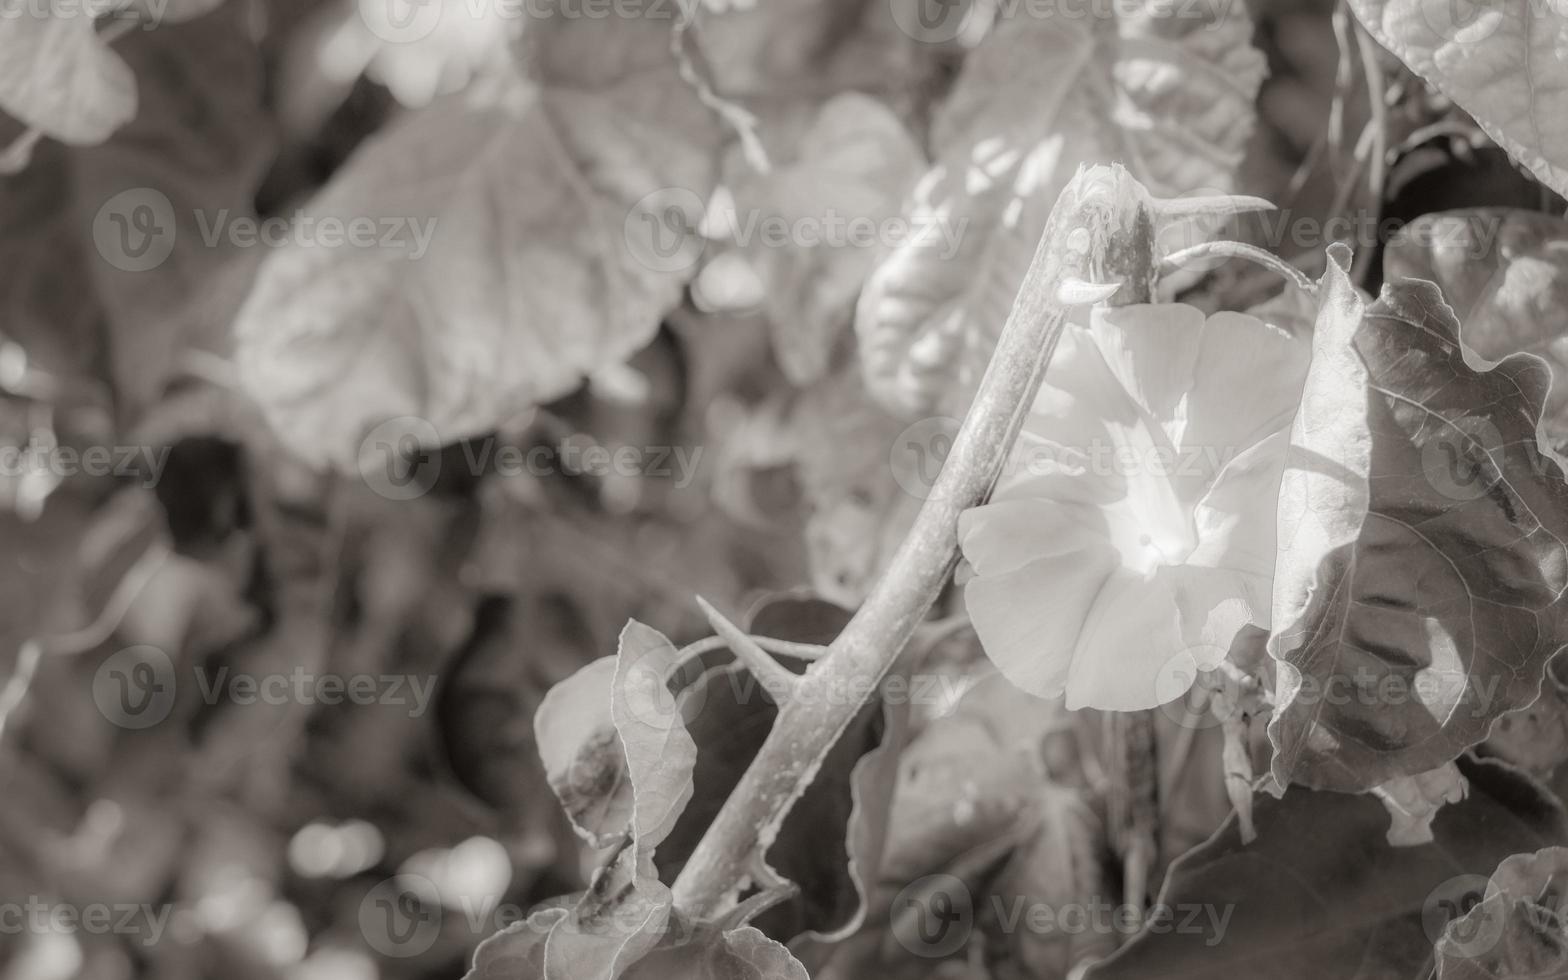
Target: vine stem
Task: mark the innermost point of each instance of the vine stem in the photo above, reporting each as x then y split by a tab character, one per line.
1099	231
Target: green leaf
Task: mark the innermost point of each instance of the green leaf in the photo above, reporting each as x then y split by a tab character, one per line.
1418	593
515	263
1320	893
1505	273
1502	62
1171	97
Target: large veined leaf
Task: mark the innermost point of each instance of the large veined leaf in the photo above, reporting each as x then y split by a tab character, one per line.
508	259
59	75
1170	97
1320	893
1423	534
1505	273
1505	63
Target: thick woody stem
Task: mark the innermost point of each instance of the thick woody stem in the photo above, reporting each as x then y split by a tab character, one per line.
1098	232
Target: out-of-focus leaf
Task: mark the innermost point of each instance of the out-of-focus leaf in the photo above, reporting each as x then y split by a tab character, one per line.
1061	867
1516	931
518	260
863	476
163	193
834	199
58	73
1501	62
1419	590
1320	893
1170	96
1505	273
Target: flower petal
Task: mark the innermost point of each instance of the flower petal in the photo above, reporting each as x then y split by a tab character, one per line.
1236	519
1247	385
1129	642
1152	349
1028	618
1004	536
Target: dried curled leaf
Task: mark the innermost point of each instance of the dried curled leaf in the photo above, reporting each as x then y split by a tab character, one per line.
1516	931
508	258
1170	97
1502	62
1418	594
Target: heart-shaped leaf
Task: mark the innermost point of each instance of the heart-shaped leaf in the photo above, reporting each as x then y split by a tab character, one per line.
1169	96
1418	593
1502	62
1320	893
501	253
